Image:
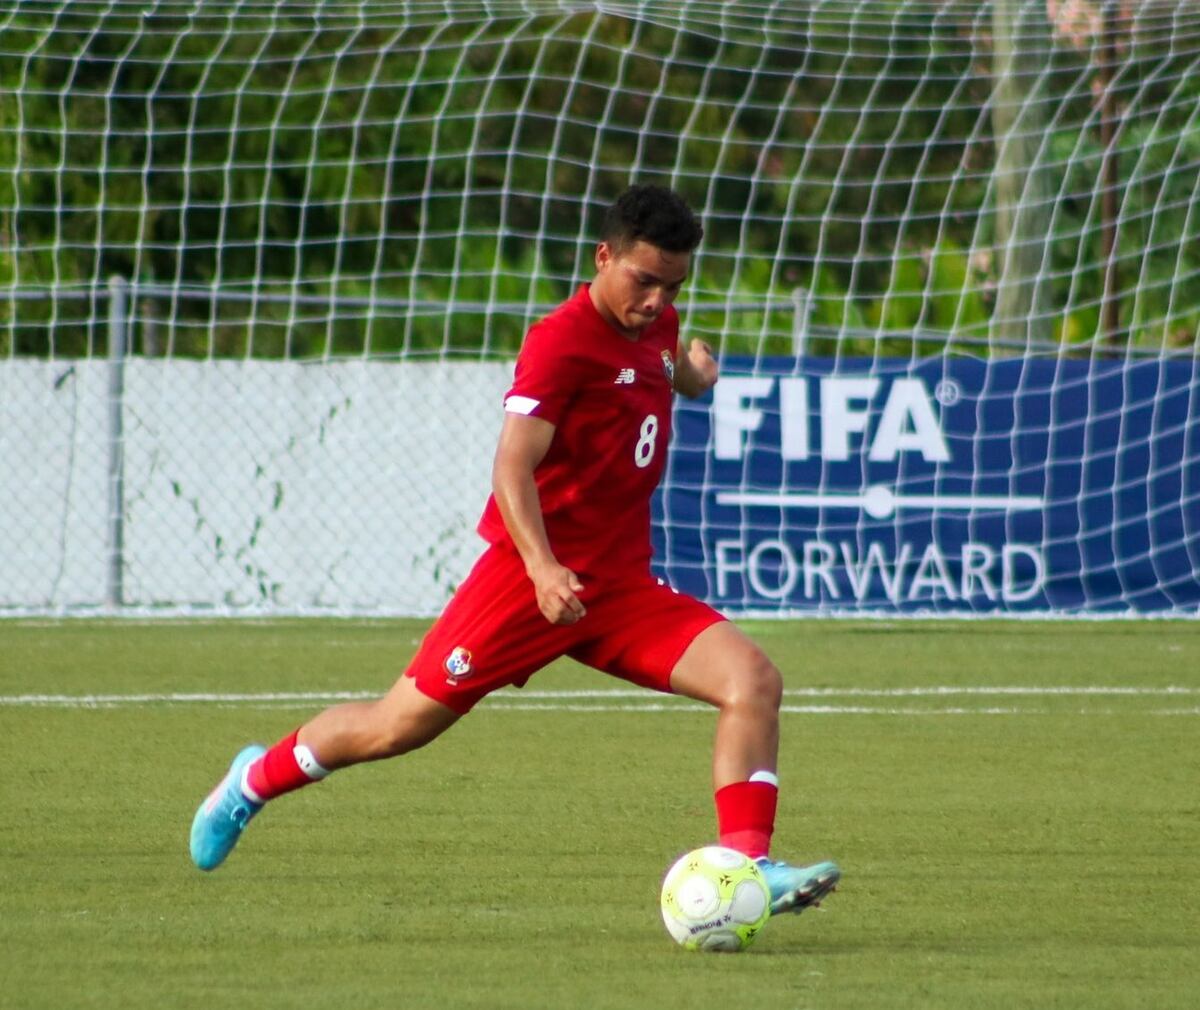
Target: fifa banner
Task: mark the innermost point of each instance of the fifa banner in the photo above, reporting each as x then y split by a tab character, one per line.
949	485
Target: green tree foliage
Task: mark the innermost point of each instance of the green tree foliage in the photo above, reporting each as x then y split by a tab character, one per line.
395	182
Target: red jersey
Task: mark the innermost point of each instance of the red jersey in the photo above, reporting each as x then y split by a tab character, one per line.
609	398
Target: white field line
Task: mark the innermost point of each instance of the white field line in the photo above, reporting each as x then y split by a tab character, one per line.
898	692
786	709
640	700
175	698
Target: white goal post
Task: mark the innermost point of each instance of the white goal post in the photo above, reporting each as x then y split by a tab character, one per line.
264	269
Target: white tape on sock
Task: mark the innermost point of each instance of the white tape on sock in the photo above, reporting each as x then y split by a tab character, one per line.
765	776
308	764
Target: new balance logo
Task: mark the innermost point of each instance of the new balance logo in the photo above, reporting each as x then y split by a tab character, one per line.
625	377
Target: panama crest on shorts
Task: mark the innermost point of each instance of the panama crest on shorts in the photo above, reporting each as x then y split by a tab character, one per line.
457	664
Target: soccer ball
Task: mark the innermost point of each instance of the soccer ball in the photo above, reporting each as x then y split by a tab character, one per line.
715	899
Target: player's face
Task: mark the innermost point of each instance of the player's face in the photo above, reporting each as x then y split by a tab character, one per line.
632	288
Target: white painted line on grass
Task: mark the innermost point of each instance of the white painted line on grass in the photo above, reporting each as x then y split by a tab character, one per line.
902	692
641	700
201	698
497	705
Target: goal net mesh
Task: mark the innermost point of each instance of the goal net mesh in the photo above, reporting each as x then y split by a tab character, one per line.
264	269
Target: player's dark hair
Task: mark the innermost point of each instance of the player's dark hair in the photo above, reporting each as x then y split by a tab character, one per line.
651	214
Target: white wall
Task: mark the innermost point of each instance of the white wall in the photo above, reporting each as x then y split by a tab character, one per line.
289	486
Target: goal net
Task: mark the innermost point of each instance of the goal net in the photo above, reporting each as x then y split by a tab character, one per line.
264	269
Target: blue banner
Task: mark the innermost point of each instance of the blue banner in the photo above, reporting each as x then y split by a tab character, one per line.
947	485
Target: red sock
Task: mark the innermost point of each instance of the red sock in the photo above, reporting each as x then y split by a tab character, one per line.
284	767
746	816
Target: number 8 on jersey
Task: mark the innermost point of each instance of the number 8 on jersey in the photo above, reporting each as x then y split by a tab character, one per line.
643	452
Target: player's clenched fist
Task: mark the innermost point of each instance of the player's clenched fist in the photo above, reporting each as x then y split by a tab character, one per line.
556	587
701	357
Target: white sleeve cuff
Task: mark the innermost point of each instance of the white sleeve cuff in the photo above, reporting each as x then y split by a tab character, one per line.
521	405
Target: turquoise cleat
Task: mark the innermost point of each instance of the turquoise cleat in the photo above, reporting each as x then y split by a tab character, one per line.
224	814
795	888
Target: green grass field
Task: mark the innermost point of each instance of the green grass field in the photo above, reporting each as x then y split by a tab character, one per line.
1028	836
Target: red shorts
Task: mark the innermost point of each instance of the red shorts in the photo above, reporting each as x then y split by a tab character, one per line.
492	632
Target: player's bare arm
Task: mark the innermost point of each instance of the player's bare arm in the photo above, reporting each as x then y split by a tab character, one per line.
523	443
695	369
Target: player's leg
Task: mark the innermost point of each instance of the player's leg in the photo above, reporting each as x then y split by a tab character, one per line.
654	636
490	634
723	667
402	720
651	635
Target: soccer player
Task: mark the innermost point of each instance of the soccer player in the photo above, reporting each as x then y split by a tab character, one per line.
567	569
